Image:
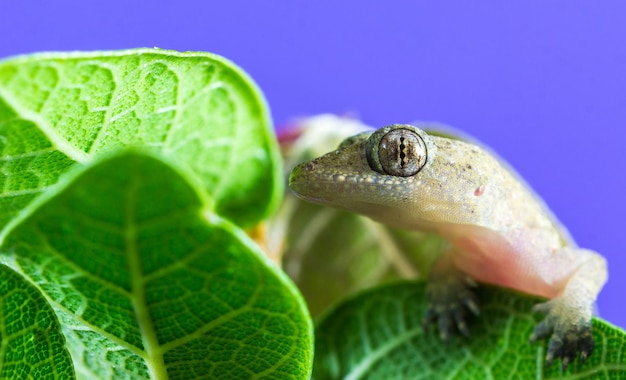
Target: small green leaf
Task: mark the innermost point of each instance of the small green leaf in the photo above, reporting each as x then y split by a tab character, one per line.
378	335
31	343
150	283
197	109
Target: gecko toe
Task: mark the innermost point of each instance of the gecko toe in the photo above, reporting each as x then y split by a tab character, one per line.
541	331
586	343
543	307
471	302
445	326
461	325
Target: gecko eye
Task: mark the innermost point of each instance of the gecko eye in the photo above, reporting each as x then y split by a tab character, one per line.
397	150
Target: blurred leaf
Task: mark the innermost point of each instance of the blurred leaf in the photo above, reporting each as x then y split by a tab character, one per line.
378	335
32	345
149	283
197	109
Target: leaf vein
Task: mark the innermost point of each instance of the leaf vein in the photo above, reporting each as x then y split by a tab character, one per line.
59	142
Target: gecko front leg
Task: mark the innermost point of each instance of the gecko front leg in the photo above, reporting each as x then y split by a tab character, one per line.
568	318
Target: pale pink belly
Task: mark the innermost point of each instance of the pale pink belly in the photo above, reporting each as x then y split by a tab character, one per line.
494	260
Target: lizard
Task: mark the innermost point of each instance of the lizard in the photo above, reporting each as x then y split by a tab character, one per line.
498	230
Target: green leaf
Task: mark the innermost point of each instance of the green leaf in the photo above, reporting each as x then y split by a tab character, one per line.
31	343
378	335
148	282
197	109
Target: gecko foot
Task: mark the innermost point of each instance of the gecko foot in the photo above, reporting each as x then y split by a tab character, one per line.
449	299
570	335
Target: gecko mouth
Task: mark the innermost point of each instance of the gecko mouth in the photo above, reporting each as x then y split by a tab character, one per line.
311	192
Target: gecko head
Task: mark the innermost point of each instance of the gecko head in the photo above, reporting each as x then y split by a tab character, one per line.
367	163
371	173
398	175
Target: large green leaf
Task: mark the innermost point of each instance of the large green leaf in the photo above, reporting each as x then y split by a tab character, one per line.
149	282
378	335
31	343
195	108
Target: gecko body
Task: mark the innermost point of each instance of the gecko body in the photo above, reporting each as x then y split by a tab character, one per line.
498	230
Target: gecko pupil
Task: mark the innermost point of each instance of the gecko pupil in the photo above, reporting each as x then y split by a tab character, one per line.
402	154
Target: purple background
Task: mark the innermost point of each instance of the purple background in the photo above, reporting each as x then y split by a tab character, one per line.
543	83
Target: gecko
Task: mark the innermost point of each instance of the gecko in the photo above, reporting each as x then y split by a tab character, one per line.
497	229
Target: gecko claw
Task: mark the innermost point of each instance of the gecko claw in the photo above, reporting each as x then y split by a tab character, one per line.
568	337
461	325
471	305
449	302
584	355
